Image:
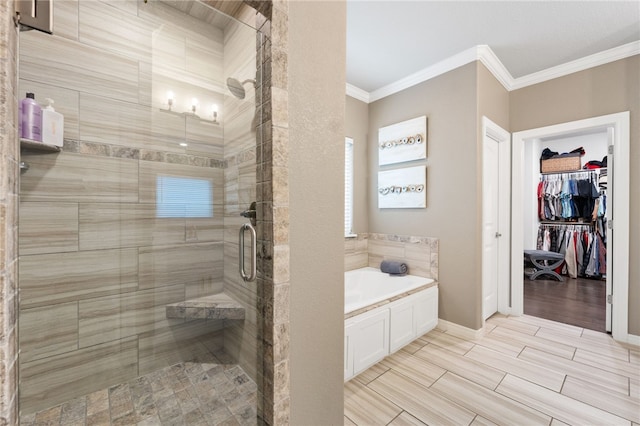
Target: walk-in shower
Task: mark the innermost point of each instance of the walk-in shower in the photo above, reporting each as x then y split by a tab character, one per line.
131	305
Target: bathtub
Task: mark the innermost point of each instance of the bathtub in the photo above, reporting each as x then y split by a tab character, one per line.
384	313
368	286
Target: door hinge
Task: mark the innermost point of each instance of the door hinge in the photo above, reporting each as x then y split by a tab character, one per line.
610	298
610	224
610	149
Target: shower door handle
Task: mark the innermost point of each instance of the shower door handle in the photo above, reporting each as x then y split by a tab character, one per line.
252	273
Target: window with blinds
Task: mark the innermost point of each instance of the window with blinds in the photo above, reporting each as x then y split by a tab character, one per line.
348	186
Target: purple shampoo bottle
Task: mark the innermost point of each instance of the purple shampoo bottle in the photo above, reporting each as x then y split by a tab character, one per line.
30	119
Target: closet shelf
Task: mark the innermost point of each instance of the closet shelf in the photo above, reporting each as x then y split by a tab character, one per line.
573	171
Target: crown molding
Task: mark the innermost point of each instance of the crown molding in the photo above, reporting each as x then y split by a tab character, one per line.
484	54
597	59
490	60
428	73
358	93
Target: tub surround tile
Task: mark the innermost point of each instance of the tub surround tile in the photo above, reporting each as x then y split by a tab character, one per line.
419	253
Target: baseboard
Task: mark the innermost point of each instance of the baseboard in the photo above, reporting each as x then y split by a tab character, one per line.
632	339
459	330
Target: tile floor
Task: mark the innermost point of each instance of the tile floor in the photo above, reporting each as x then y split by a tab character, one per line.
524	371
183	394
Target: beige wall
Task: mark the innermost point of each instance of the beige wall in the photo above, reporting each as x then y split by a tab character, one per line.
607	89
449	102
356	127
316	171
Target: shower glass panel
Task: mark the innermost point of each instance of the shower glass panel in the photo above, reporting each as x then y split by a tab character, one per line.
131	305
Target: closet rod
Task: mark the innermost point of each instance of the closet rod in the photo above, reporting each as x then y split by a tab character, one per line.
565	224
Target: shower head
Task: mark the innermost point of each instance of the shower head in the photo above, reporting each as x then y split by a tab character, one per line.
236	88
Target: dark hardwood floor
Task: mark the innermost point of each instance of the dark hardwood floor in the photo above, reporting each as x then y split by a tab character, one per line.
575	301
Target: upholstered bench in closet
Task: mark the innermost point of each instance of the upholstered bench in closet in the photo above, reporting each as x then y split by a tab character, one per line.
544	263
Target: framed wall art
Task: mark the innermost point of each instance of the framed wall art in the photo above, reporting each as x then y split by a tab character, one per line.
402	188
404	141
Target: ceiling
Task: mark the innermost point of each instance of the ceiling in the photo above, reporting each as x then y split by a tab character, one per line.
388	40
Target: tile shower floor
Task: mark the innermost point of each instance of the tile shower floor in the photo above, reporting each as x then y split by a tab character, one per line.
183	394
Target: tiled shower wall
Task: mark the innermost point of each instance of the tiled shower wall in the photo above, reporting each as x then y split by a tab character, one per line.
419	253
97	264
9	157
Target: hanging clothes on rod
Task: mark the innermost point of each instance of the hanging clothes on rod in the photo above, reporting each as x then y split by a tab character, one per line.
569	196
583	246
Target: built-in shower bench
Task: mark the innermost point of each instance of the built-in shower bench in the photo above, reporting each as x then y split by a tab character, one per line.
215	306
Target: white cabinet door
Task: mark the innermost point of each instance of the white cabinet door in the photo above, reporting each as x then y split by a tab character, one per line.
402	324
371	340
348	350
426	311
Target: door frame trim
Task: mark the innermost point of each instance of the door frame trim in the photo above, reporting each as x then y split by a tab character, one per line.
493	131
619	122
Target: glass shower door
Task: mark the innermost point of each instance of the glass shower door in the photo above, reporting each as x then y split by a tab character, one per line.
131	305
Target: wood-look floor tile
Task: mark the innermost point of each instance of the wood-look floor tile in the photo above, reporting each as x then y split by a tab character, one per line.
556	405
559	349
613	402
371	373
365	407
501	344
481	421
406	419
501	321
419	401
604	347
518	367
469	369
634	387
348	422
607	363
556	422
487	403
415	368
413	347
542	322
447	341
611	381
634	356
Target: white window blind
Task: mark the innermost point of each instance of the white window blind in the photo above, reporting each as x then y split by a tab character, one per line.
348	186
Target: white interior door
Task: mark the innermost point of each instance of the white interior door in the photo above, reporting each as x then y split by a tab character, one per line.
496	167
490	227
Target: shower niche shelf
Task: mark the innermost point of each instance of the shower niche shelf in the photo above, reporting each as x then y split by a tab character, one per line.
38	146
215	306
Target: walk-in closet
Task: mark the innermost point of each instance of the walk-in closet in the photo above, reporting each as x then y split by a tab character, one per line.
566	257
